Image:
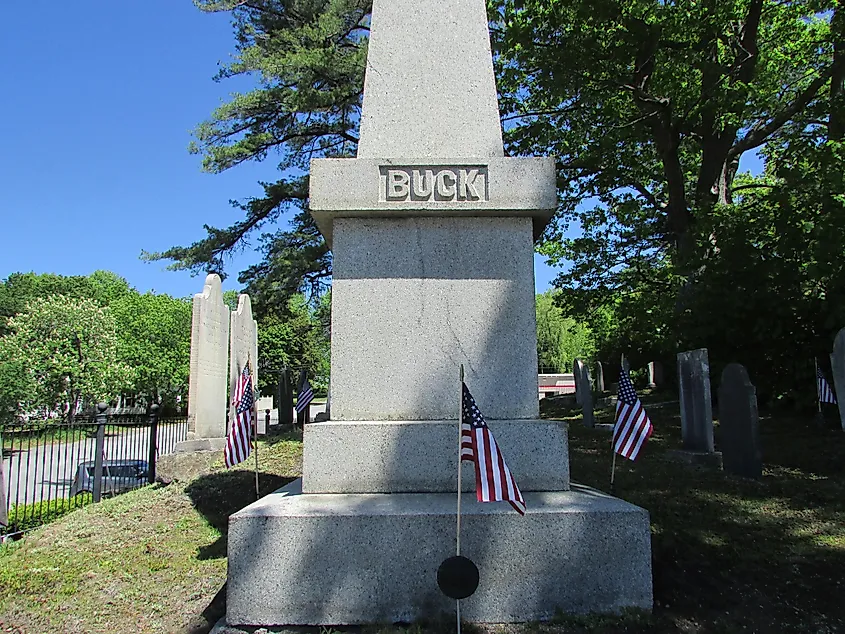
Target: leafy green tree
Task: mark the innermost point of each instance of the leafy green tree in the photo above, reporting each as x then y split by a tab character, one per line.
66	350
20	288
299	339
560	340
154	338
308	57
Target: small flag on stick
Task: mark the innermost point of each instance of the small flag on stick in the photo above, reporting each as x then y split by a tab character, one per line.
305	396
238	444
825	393
633	427
493	479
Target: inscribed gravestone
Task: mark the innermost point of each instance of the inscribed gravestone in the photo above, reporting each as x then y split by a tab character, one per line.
695	401
587	397
578	375
209	356
599	377
739	426
243	346
837	364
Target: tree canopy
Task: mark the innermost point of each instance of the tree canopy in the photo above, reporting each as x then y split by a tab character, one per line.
647	105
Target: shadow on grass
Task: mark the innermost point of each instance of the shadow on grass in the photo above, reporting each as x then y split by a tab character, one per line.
216	496
731	554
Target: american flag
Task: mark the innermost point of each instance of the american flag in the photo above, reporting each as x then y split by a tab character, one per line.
826	394
632	427
493	479
305	396
238	444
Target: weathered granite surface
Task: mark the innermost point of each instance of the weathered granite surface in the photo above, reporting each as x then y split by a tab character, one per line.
352	559
209	362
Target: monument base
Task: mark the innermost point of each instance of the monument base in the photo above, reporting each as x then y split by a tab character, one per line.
711	459
345	559
200	444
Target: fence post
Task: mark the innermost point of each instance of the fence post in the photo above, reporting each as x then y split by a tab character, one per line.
4	518
99	449
151	461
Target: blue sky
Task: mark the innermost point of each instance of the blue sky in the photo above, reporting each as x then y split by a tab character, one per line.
99	100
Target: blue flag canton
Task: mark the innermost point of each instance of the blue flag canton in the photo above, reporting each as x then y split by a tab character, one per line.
627	394
471	414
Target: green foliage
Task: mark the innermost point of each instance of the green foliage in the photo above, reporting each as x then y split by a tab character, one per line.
67	351
154	338
308	59
24	517
297	339
560	340
20	288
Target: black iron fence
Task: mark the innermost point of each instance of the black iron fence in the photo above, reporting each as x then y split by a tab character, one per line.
51	467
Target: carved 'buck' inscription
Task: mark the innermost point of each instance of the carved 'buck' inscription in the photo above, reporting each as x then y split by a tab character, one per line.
441	184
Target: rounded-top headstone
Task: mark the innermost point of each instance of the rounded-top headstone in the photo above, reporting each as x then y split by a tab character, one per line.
457	577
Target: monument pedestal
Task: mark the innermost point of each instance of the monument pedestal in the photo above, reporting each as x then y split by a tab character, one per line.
199	444
421	456
327	559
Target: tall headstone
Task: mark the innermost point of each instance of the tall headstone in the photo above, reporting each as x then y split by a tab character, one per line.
837	364
578	373
651	375
243	346
626	365
695	401
587	397
599	377
431	230
209	363
739	424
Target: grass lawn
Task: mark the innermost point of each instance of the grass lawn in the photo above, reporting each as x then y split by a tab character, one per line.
730	555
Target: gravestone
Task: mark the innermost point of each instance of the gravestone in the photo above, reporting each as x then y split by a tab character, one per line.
739	426
599	377
695	402
208	373
578	373
587	397
651	375
431	230
626	365
243	346
837	364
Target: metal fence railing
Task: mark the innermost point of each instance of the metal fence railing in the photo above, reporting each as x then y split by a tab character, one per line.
50	467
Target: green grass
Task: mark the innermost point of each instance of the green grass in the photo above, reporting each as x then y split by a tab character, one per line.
729	555
151	560
25	517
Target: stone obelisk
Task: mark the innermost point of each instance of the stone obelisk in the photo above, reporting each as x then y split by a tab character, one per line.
432	229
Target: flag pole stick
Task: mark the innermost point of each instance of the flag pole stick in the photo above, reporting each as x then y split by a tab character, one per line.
612	469
254	431
820	416
460	435
460	422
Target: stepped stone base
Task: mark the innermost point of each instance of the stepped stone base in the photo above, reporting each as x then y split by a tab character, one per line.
421	456
300	559
200	444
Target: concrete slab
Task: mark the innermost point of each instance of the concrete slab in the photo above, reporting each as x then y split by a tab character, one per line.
421	456
298	559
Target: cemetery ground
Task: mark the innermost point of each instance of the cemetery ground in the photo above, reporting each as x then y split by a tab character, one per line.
730	555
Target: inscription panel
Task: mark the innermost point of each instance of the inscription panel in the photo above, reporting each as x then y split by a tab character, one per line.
420	183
